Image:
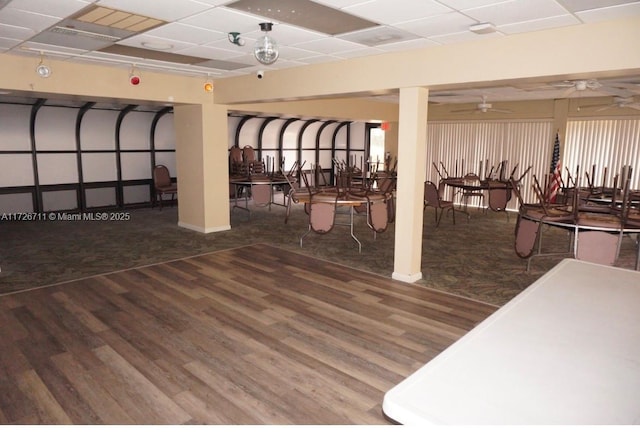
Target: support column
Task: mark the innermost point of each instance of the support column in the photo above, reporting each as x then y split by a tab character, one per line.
412	137
202	167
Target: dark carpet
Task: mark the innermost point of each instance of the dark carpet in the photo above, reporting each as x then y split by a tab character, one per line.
473	258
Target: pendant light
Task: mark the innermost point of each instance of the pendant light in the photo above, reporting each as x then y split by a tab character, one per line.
266	48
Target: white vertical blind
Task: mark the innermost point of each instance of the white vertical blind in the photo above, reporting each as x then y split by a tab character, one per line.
600	144
479	146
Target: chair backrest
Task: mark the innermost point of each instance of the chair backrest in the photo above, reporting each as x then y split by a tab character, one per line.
386	182
322	214
431	195
261	194
498	195
516	188
161	177
378	213
248	153
235	154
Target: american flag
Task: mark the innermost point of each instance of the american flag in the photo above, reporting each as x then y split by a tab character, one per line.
555	171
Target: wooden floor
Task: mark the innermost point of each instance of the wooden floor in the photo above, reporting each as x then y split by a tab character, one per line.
254	335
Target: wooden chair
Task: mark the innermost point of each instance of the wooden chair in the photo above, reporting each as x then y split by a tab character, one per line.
162	184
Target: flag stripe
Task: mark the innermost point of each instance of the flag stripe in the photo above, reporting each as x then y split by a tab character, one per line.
555	171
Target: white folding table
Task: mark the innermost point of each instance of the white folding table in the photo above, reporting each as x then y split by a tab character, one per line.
564	351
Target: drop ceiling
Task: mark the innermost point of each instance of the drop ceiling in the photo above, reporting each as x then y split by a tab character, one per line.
191	36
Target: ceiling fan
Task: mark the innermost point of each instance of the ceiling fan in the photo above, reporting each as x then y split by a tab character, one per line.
618	102
614	89
483	107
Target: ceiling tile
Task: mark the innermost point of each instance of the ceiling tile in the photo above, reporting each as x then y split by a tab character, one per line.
516	11
328	45
30	20
145	39
209	52
15	32
584	5
61	8
438	25
410	45
360	52
379	36
184	33
454	38
611	13
322	58
533	26
224	20
168	10
461	5
7	43
390	12
296	53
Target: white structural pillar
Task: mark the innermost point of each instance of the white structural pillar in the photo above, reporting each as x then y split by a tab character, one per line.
412	136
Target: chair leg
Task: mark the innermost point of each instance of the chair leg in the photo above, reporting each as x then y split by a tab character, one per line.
160	200
288	209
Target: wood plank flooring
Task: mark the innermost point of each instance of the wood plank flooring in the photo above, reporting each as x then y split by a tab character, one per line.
254	335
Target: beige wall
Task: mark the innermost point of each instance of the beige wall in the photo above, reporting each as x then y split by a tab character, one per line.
85	82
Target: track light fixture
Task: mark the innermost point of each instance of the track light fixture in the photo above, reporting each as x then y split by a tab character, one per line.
43	70
266	48
234	38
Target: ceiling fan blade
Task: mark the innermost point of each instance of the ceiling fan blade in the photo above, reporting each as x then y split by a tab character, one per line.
619	92
501	110
594	106
563	84
464	111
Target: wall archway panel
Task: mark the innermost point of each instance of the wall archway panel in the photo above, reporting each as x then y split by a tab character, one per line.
134	131
165	134
96	130
55	129
248	134
14	125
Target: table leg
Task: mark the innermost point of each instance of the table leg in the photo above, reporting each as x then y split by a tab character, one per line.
353	236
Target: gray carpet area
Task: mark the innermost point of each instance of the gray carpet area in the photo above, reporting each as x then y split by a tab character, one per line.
474	258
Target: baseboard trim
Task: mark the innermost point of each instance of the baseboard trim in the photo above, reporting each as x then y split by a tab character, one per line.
203	229
406	278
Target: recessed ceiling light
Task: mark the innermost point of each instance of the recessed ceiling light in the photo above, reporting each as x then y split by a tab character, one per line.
157	45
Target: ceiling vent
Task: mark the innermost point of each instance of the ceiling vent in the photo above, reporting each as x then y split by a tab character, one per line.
76	32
